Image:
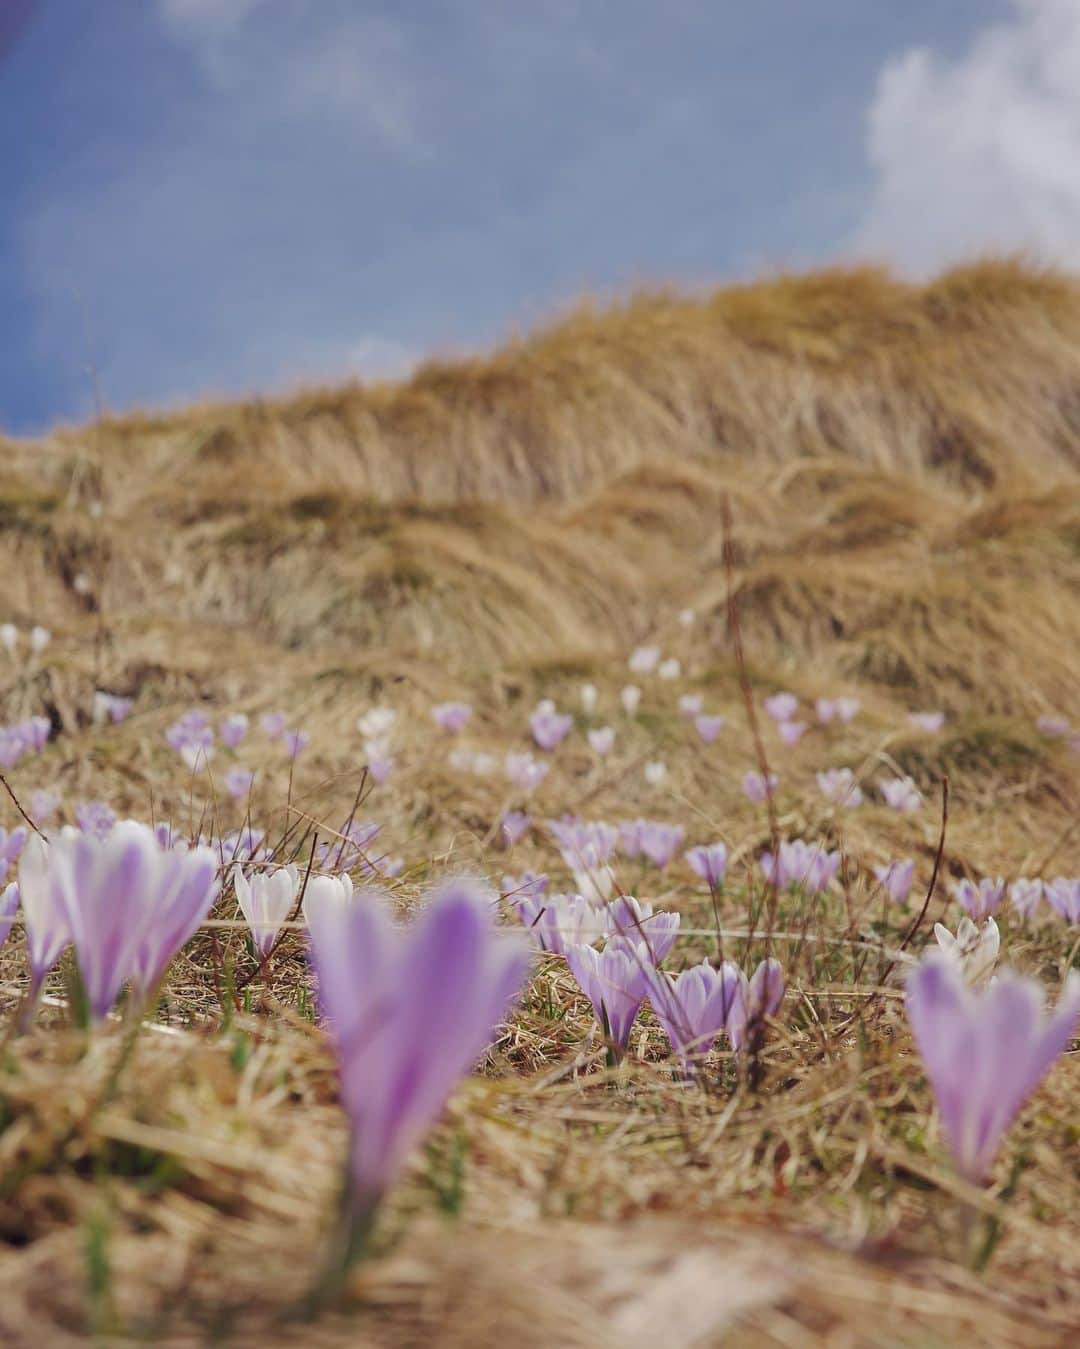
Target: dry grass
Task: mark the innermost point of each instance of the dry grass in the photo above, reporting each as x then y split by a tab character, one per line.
903	467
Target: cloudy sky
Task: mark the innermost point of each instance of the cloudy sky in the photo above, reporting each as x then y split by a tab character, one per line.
220	196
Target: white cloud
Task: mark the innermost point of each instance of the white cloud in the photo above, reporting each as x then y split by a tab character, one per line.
980	153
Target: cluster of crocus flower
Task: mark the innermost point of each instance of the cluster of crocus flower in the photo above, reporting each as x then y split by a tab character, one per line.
654	840
837	709
124	902
38	637
696	1005
587	849
782	706
1062	894
799	865
409	1010
24	737
192	737
981	898
985	1050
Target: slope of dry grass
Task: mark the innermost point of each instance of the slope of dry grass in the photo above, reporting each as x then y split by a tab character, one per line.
903	471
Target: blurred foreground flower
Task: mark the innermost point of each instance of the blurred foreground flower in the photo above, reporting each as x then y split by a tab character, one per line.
985	1051
409	1010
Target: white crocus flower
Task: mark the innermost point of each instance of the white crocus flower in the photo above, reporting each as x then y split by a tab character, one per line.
974	949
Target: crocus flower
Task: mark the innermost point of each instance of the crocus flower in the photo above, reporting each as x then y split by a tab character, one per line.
409	1011
584	843
266	899
985	1051
557	922
238	782
95	818
39	638
686	618
1025	896
693	1007
928	722
11	845
901	794
524	771
897	878
644	659
110	707
528	885
9	637
690	704
710	863
630	698
1063	892
847	709
273	724
9	904
825	709
615	981
327	891
234	728
980	900
35	733
975	950
655	772
602	740
125	903
1055	726
782	706
708	727
757	787
191	730
634	920
452	717
589	698
513	826
670	668
550	728
44	803
376	723
660	842
295	742
799	864
838	785
380	763
349	847
791	732
48	931
761	997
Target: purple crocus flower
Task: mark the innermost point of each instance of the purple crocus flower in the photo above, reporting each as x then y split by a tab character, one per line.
111	707
557	922
513	826
630	838
1051	725
380	764
48	932
838	785
95	818
526	886
901	794
9	904
660	842
799	864
35	733
757	787
634	920
601	740
927	722
238	782
122	901
980	900
615	981
266	899
708	727
644	659
233	729
192	729
897	878
825	709
782	706
11	845
550	728
694	1007
452	717
524	771
295	742
709	861
1063	892
791	732
409	1011
761	997
985	1051
1026	896
273	724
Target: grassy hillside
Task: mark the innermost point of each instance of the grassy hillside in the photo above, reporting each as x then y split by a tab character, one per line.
900	469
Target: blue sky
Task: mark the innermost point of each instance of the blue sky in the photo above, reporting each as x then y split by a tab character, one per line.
223	196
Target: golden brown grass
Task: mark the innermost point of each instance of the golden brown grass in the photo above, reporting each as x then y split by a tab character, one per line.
903	469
